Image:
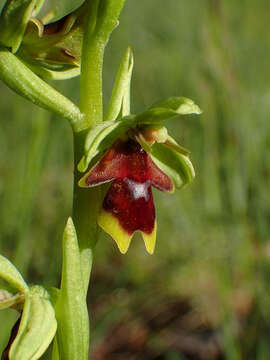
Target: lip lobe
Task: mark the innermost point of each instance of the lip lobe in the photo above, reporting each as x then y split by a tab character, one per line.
133	173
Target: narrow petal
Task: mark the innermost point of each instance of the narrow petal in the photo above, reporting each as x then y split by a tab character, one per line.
119	105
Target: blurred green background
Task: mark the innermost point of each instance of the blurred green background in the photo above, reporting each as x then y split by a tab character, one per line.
205	293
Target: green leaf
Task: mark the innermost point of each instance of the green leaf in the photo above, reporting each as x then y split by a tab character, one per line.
71	307
7	299
13	22
11	275
120	100
168	109
102	136
37	327
177	166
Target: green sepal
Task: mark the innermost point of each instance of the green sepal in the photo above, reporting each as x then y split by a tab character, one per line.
13	21
8	300
119	105
168	109
102	136
37	326
11	275
176	165
71	307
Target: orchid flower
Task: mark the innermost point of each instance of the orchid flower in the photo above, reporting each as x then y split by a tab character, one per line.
134	153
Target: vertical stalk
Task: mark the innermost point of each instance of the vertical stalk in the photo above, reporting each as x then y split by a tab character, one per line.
102	18
86	203
91	68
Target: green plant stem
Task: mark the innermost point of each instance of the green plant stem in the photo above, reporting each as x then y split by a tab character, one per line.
102	19
91	70
86	204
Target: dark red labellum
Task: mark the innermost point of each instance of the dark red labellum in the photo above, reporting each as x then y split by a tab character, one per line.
129	198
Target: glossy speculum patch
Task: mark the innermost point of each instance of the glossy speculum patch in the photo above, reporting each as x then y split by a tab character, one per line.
129	198
132	204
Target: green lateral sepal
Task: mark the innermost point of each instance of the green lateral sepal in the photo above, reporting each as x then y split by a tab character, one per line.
176	165
13	22
37	326
102	136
